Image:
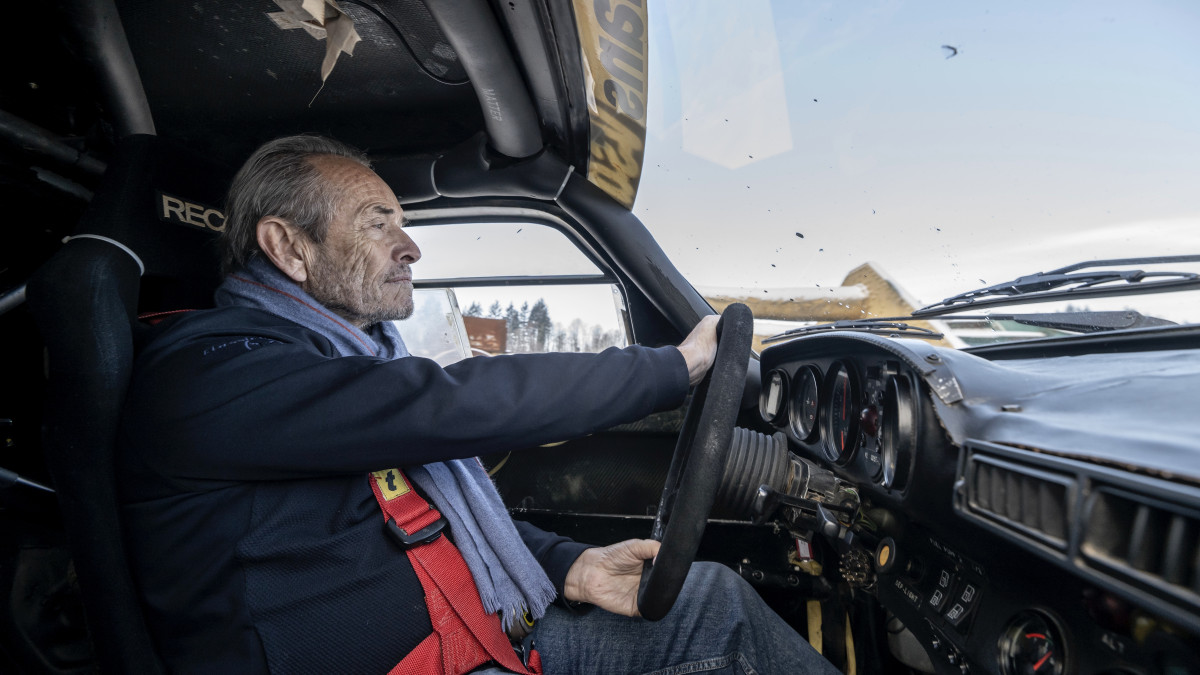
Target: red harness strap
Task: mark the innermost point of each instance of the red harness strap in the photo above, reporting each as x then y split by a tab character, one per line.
464	634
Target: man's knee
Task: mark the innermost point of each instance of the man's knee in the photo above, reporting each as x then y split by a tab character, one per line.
718	580
713	585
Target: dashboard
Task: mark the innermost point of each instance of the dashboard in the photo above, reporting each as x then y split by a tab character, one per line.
1023	513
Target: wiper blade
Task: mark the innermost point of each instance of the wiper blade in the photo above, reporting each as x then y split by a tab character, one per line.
884	326
1076	322
1068	283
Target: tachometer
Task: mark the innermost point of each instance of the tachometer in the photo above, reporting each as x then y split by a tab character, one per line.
772	402
807	396
841	413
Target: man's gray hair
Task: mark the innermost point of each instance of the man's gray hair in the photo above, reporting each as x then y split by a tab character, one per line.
280	180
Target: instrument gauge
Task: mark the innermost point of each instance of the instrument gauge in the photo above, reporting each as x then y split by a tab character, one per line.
1033	644
806	397
841	413
773	401
897	434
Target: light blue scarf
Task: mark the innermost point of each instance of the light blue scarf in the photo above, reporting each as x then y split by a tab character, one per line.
509	579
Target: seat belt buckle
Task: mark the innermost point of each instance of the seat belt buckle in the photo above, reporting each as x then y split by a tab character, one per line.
421	536
525	649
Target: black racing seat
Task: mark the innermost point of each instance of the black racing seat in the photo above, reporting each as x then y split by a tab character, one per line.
145	244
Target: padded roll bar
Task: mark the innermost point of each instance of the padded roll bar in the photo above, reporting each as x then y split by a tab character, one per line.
472	29
106	50
36	140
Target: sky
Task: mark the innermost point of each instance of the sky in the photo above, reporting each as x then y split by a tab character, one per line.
1058	132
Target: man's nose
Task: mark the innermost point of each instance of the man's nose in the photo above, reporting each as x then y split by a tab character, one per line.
405	249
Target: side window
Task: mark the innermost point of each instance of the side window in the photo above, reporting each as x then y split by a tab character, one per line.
436	329
522	287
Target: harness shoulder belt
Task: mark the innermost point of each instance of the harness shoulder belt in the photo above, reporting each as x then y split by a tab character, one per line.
464	635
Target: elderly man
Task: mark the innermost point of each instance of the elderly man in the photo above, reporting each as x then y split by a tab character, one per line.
269	439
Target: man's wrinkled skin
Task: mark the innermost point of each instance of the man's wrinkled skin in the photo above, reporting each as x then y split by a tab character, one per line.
699	348
362	272
609	577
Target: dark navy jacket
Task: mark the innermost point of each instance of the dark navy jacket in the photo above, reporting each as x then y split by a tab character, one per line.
255	538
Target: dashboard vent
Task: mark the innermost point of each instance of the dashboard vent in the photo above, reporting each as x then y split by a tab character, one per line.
1030	501
1151	541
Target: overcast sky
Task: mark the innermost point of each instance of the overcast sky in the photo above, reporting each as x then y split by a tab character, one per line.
1060	131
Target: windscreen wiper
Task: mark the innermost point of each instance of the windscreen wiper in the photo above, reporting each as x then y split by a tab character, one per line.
1075	322
886	326
1069	283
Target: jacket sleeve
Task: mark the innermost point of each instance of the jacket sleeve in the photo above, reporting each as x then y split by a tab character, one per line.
212	410
555	553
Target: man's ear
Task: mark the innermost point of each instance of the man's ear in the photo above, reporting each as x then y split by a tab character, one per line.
285	245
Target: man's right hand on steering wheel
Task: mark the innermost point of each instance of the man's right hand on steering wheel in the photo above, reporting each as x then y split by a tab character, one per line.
699	348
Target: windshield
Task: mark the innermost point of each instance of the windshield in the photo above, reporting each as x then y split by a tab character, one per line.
841	160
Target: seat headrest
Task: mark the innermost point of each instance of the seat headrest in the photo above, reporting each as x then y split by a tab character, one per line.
164	203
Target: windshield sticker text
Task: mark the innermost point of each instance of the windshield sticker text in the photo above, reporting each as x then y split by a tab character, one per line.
613	35
622	52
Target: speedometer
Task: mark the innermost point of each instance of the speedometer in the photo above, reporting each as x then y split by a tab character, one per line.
841	413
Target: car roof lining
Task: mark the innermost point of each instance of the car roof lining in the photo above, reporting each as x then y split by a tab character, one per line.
251	81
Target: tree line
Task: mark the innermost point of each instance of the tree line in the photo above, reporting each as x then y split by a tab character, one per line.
529	329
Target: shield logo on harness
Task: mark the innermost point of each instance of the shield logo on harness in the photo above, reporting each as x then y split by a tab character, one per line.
391	483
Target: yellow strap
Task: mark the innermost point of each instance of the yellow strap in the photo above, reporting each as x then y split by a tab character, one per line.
500	465
815	638
851	664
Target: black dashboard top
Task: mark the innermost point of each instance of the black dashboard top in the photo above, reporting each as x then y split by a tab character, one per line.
1131	410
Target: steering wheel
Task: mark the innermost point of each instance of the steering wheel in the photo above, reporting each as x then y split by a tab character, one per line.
697	465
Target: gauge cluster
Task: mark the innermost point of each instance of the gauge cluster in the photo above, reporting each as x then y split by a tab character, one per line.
859	414
974	476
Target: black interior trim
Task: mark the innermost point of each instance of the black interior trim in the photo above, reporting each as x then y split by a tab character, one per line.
574	279
572	81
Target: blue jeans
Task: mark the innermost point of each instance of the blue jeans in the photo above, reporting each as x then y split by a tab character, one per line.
718	625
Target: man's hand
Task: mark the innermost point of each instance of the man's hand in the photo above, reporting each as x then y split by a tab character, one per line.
608	577
699	348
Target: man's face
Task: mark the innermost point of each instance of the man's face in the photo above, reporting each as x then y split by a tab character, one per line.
361	271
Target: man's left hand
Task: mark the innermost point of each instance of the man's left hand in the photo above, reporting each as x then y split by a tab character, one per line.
608	577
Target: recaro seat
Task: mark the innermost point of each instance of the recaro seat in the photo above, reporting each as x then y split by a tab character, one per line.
145	244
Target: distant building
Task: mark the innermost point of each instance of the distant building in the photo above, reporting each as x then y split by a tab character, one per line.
866	292
489	335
